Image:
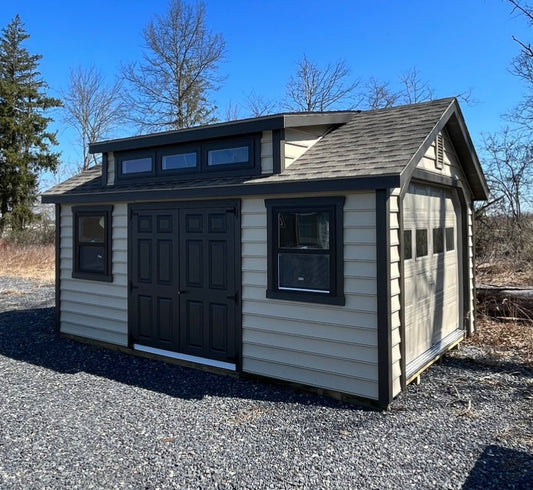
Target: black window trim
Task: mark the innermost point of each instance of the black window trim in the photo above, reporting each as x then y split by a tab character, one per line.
107	212
121	157
177	150
334	205
251	167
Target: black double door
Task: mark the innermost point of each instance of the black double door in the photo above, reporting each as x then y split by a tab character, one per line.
183	270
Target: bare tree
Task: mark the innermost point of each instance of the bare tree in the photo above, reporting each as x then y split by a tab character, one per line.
318	89
414	89
378	95
509	170
170	87
258	105
92	107
522	67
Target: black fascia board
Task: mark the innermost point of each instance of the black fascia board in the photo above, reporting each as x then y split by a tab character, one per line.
222	130
235	190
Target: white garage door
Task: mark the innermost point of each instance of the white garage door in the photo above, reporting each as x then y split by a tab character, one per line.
431	218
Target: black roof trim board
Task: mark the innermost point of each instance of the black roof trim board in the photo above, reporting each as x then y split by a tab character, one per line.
223	130
452	119
235	190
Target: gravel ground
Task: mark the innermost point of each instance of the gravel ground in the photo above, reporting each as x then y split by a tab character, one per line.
77	416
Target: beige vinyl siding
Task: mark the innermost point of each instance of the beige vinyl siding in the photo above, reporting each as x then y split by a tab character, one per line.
471	308
110	169
94	309
395	288
267	153
299	140
451	165
326	346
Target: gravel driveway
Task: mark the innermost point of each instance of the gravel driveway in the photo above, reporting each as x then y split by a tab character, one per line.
77	416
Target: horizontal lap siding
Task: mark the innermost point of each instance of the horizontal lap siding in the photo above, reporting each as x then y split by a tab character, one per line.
299	140
267	153
395	288
326	346
94	309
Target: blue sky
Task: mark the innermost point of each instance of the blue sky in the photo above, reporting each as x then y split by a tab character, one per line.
456	45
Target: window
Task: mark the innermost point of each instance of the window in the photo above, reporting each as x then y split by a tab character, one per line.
305	239
421	243
228	156
224	155
407	244
136	165
219	157
450	239
438	240
179	161
92	243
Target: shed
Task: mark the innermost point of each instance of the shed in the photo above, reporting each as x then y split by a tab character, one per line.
329	250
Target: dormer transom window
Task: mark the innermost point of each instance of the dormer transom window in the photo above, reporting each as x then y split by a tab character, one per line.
228	156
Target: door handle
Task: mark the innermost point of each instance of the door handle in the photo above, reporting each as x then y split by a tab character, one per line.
182	292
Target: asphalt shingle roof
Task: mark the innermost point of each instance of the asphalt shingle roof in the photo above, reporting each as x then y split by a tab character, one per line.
372	143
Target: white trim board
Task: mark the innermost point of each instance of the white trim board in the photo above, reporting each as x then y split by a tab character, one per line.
185	357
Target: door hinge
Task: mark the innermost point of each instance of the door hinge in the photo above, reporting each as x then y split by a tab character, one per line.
132	287
234	297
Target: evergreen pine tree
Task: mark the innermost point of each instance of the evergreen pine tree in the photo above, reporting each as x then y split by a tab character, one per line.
24	139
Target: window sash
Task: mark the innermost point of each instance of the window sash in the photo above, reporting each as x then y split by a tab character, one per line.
303	271
92	246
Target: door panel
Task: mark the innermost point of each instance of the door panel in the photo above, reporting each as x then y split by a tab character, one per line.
153	312
432	286
208	279
183	280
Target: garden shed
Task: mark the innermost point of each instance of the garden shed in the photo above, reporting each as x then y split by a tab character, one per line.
329	250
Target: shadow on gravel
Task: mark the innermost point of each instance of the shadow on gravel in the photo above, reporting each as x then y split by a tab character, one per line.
501	468
30	336
484	364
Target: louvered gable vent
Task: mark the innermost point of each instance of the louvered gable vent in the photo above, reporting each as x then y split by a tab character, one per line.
439	152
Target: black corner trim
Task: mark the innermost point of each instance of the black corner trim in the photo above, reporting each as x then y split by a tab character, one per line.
277	140
58	266
105	169
383	297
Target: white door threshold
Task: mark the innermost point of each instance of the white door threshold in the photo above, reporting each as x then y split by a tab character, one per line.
185	357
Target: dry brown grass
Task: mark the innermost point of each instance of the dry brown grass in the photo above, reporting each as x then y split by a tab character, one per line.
505	273
506	341
28	262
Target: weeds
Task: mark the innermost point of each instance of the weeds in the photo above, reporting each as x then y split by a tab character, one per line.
28	262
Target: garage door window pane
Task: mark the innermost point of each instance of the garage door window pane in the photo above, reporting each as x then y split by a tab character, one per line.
407	244
421	243
438	240
450	239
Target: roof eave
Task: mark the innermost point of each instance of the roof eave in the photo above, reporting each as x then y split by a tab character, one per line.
223	130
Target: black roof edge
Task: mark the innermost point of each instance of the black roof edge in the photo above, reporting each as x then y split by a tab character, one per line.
221	130
226	191
453	120
456	125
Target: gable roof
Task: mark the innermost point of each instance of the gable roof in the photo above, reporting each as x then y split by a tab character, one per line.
364	149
